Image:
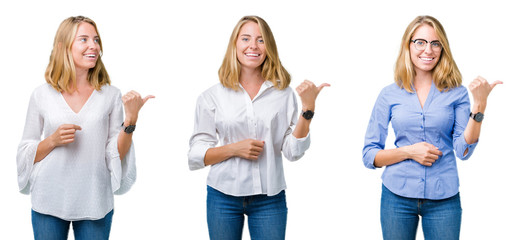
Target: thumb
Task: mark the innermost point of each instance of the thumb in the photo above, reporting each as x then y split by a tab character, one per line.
495	83
145	99
322	86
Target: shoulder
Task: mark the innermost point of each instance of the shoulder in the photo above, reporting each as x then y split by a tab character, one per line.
44	91
110	90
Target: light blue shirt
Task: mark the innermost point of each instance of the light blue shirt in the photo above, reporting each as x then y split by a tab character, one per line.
441	123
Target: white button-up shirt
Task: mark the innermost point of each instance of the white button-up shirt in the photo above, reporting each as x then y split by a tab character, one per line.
227	116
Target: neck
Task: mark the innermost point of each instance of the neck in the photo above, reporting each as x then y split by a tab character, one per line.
251	76
422	78
81	79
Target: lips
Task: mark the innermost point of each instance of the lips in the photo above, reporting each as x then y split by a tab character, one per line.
252	54
426	59
90	55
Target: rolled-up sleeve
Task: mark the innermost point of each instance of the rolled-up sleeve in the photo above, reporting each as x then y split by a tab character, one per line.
28	146
204	133
294	148
123	172
462	111
376	133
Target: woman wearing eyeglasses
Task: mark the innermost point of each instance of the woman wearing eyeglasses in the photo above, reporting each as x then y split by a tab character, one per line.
430	113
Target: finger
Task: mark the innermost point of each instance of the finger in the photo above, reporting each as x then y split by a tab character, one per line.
322	86
495	83
67	131
257	149
147	98
258	143
70	126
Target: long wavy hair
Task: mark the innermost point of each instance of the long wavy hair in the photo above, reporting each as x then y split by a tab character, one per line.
445	74
271	68
61	71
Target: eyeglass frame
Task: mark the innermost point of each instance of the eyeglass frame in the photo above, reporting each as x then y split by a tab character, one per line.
426	43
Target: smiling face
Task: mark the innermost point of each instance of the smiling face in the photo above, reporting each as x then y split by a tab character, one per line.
425	60
85	47
250	47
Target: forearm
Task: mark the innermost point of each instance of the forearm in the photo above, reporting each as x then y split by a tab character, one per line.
44	148
302	127
218	154
473	128
124	140
390	156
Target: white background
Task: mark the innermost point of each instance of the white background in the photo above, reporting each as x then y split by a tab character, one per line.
173	50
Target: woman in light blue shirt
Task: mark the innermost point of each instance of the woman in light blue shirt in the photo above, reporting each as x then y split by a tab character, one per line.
430	113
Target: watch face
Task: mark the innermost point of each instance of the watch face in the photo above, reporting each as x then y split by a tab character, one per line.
479	117
308	115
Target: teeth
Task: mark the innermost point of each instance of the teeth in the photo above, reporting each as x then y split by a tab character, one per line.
90	55
427	59
252	54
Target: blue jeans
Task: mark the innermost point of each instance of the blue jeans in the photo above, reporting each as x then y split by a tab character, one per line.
47	227
267	216
441	219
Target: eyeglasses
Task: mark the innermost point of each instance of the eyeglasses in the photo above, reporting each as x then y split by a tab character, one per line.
421	44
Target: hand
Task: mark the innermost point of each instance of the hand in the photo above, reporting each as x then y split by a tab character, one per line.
64	134
480	90
423	153
249	149
132	104
308	93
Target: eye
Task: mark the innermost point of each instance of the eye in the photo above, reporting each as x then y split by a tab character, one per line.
419	42
82	39
436	44
96	40
261	40
245	39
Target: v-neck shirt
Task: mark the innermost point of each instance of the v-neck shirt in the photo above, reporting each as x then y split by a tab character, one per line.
441	122
224	116
75	181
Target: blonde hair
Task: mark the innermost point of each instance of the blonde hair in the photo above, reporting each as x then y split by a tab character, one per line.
271	68
445	74
61	71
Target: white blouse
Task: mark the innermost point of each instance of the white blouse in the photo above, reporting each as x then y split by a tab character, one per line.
228	116
75	181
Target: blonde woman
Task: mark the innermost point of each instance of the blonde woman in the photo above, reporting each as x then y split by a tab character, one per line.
242	126
430	113
86	154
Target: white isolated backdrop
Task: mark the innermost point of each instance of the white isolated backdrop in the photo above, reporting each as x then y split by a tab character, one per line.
173	49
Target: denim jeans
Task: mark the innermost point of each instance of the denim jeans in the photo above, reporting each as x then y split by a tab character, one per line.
47	227
441	219
267	216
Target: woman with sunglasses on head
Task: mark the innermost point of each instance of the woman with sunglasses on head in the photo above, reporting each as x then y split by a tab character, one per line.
242	126
430	113
86	154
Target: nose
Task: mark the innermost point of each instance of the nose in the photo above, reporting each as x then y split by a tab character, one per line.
428	48
92	44
253	45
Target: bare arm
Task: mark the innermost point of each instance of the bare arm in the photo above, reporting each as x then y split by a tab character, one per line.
248	149
308	93
132	104
480	89
62	136
423	153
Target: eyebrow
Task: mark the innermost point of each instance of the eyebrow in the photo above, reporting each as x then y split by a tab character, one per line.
248	35
82	36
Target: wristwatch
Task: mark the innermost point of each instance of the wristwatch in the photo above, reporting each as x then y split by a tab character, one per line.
308	114
128	129
478	117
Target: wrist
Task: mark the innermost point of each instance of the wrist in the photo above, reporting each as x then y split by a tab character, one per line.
308	106
479	107
130	121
